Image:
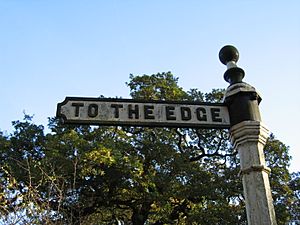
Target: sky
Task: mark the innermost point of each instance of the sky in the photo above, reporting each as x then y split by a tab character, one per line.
53	49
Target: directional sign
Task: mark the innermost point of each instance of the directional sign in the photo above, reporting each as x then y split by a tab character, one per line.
109	111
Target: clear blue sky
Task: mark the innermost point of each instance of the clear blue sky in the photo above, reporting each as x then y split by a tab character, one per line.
52	49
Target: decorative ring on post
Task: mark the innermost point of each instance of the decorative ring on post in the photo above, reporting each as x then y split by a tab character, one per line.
257	168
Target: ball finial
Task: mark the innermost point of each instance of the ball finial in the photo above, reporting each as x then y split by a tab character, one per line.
228	54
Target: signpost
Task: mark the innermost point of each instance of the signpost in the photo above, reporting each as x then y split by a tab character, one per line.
248	136
239	112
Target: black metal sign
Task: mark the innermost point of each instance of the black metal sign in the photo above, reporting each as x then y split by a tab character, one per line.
117	112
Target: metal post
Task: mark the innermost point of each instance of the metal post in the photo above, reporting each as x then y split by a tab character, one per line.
248	136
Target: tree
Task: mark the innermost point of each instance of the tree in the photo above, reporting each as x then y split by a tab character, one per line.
133	175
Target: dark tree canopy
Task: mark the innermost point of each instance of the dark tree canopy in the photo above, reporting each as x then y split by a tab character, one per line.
127	175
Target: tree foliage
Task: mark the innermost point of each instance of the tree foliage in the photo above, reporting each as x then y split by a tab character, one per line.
133	175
